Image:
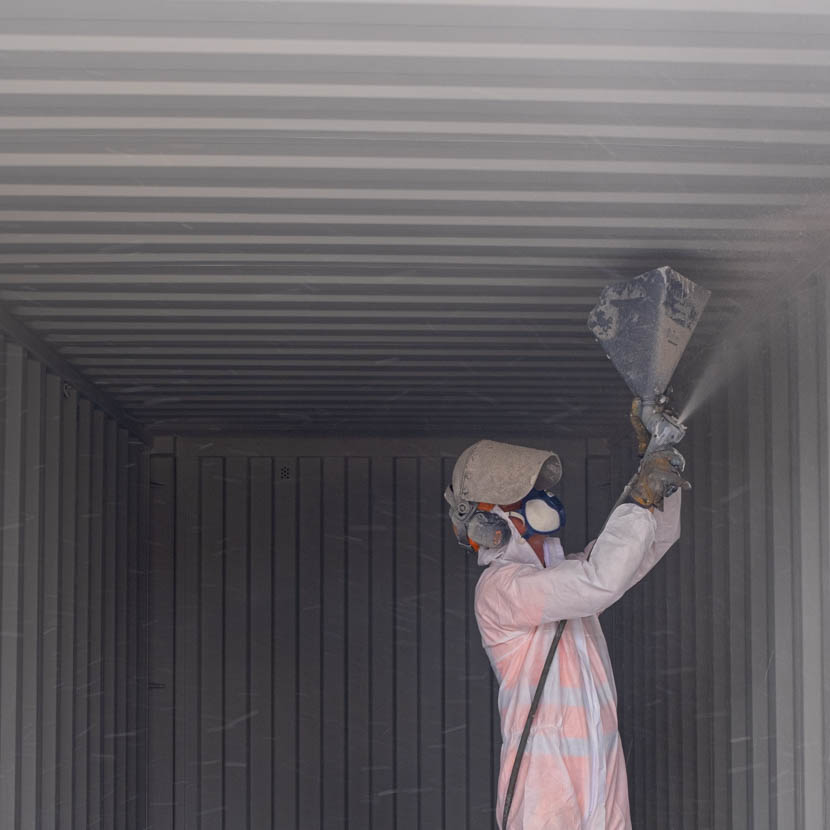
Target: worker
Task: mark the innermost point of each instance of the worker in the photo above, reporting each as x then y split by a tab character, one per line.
572	774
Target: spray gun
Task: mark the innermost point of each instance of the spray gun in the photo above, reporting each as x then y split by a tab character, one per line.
644	326
661	427
658	431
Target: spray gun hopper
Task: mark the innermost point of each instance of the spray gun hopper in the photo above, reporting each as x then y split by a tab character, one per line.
645	324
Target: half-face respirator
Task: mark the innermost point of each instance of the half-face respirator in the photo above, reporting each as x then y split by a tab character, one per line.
477	527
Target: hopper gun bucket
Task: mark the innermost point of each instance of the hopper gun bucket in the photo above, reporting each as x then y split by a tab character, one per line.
644	326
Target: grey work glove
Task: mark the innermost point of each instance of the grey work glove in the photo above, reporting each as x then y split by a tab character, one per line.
659	476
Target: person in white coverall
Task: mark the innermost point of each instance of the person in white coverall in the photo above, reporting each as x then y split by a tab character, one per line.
572	775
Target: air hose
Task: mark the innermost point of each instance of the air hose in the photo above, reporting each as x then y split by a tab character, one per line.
537	695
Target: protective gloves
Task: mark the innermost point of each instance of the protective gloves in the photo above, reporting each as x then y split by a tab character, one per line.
658	477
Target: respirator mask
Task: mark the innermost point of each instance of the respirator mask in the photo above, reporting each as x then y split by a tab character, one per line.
476	527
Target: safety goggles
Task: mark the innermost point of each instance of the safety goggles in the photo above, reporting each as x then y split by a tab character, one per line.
541	513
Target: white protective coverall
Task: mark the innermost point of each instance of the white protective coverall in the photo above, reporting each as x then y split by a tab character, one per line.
572	775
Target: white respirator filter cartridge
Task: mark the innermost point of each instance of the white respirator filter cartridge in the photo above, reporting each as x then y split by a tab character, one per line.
541	512
542	517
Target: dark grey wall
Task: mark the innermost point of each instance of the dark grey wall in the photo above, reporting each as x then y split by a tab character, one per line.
314	635
721	656
72	588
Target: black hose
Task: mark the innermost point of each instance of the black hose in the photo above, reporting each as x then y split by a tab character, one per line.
537	695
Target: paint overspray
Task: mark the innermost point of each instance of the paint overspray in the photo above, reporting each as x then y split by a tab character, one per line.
712	364
716	363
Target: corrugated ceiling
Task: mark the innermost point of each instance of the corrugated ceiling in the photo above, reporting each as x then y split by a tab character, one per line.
393	217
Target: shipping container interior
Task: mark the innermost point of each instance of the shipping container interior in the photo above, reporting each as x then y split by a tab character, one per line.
266	268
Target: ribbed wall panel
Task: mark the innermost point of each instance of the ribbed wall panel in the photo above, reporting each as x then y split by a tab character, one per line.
721	653
313	637
72	686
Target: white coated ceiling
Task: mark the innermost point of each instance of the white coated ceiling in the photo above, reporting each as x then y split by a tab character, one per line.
392	217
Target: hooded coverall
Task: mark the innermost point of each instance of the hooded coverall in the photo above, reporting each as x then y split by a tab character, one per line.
572	775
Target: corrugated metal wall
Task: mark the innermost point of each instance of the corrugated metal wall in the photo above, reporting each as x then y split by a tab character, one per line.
314	635
721	656
72	709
